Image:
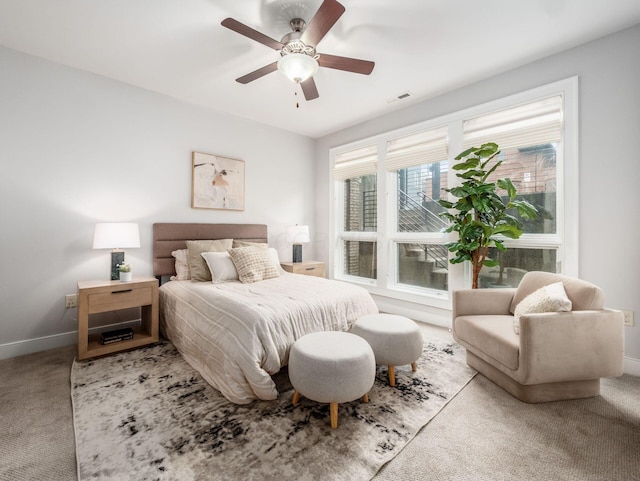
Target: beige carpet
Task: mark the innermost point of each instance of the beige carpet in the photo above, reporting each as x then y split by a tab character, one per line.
36	440
485	434
482	434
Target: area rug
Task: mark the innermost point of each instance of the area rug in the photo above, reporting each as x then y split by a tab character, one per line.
148	415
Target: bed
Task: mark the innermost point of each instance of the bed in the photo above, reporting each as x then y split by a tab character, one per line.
237	335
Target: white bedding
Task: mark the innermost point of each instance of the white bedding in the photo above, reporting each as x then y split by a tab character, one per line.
236	335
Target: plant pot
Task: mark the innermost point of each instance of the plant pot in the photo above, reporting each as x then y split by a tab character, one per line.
126	276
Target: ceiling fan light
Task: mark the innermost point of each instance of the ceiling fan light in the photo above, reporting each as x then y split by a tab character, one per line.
298	67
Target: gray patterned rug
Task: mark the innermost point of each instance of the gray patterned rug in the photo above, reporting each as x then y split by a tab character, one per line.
148	415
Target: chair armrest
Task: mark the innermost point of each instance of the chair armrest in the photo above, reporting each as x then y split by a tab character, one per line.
570	346
473	302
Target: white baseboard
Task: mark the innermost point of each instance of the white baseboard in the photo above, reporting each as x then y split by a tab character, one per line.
29	346
20	348
417	312
632	366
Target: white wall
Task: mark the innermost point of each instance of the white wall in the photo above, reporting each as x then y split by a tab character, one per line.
77	148
609	73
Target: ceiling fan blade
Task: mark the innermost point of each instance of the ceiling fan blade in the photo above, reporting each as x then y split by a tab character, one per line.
354	65
326	16
309	89
243	29
256	74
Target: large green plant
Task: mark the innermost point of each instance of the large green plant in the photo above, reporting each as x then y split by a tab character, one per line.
480	216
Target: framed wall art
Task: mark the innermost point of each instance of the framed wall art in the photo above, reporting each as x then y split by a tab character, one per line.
217	182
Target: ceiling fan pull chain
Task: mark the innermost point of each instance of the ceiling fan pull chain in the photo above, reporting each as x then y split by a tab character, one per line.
295	93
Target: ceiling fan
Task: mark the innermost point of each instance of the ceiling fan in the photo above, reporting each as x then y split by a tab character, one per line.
299	60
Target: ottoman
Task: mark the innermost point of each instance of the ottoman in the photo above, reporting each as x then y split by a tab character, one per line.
395	340
331	367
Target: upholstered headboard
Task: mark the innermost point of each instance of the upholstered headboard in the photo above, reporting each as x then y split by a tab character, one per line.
170	237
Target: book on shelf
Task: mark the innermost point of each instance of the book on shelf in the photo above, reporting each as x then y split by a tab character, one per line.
119	339
118	335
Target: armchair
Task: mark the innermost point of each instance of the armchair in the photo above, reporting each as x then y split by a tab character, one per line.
557	355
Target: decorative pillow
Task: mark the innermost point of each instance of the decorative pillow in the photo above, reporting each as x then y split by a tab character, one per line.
551	298
253	263
221	266
243	243
182	266
197	265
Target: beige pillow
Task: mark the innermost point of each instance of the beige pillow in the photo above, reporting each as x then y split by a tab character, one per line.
551	298
182	265
197	265
243	243
253	263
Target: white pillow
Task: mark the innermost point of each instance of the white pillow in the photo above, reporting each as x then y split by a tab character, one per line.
221	266
276	260
182	266
551	298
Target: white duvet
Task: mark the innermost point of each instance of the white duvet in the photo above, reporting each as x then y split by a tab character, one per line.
236	335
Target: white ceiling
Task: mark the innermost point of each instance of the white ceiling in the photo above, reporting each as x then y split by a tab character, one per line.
426	47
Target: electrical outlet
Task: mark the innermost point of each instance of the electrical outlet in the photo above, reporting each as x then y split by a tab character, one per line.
70	300
628	318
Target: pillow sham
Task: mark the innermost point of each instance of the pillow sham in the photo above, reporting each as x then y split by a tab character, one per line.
243	243
253	263
182	266
197	265
221	266
550	298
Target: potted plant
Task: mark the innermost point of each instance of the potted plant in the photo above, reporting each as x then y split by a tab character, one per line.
125	272
480	216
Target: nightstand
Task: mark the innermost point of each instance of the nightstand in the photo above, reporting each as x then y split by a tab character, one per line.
105	296
307	268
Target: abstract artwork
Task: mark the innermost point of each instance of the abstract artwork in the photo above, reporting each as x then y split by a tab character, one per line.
217	182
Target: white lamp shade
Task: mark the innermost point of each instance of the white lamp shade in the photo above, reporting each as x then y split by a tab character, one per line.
298	234
116	235
298	67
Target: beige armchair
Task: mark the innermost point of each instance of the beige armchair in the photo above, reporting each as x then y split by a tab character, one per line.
557	355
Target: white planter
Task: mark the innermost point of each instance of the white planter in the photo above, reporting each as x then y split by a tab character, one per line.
125	276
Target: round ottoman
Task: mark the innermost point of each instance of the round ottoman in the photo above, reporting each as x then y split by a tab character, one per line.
395	340
331	367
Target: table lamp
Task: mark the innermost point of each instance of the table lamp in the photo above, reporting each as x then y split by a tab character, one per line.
297	234
116	236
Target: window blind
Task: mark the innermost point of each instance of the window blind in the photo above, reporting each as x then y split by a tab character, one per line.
531	124
356	163
420	148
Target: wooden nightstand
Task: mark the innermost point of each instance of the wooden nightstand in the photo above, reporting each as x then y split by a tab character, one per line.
106	296
307	268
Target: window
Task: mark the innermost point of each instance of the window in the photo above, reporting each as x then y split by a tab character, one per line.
355	172
420	161
389	235
417	164
529	137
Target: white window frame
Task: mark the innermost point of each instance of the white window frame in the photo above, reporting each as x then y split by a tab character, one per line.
565	240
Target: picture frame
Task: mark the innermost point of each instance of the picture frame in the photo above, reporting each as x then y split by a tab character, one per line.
217	182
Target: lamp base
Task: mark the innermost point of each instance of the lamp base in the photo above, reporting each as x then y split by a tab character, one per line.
297	253
117	258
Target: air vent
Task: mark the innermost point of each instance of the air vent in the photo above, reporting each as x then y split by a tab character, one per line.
402	96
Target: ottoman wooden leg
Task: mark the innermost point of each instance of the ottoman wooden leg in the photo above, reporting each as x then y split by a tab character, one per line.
333	409
365	398
392	375
296	398
414	366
